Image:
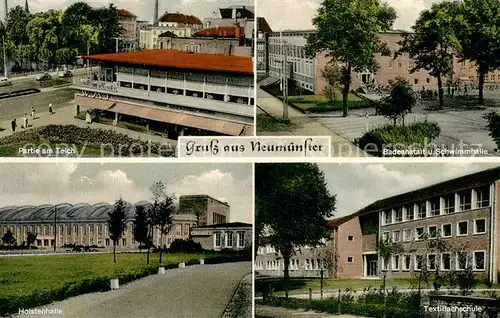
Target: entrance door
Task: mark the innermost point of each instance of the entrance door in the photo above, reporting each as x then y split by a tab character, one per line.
372	268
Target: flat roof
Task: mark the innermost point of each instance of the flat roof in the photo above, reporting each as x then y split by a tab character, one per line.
221	225
180	60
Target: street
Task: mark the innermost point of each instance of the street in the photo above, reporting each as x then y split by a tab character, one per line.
194	291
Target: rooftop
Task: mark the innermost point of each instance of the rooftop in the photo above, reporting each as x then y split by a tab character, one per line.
225	225
126	13
180	60
224	31
179	18
205	196
263	26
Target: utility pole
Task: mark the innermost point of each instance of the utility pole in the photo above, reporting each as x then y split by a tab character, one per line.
55	227
4	58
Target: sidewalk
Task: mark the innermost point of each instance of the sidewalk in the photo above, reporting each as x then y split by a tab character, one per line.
65	116
303	125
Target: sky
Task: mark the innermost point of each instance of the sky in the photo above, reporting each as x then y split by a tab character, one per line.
297	14
143	9
35	184
358	185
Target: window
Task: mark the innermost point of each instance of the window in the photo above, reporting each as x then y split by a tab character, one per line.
395	262
449	204
241	239
229	239
465	200
461	260
428	80
435	206
431	262
446	230
350	238
407	237
418	262
422	210
107	242
400	64
419	233
479	226
217	239
478	260
483	197
350	259
415	81
462	228
432	231
409	212
388	217
124	242
385	265
399	214
406	262
396	236
386	236
446	261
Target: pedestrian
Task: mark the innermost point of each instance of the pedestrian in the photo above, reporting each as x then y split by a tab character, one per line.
50	108
25	120
33	112
14	125
88	118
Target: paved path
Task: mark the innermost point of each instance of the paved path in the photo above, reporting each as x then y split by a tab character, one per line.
302	125
278	312
194	291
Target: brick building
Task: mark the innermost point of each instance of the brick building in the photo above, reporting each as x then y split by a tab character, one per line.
233	236
128	22
462	212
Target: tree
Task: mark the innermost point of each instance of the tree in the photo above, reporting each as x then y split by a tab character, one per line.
386	248
30	238
334	76
8	237
164	209
90	35
43	34
141	226
17	21
116	224
478	30
292	205
399	102
433	42
347	31
109	27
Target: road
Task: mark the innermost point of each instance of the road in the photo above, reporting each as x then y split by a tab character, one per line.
194	291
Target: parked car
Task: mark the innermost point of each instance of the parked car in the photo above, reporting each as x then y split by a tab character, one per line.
4	81
66	73
44	77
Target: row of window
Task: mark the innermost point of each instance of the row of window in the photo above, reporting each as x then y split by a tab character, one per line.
229	239
479	226
444	261
455	202
308	264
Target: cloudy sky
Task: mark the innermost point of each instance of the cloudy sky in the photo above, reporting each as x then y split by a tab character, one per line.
358	185
297	14
141	8
53	183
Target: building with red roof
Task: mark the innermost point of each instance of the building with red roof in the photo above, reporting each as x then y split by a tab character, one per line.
173	92
178	19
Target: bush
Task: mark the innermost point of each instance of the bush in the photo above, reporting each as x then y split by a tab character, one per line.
416	136
185	246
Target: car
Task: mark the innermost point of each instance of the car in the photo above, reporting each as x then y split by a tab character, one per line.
44	77
66	73
4	81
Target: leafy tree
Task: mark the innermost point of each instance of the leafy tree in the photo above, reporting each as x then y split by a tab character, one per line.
8	237
163	210
334	76
116	224
30	238
90	35
292	205
493	119
17	21
433	42
109	27
43	34
478	30
399	102
386	248
347	31
141	226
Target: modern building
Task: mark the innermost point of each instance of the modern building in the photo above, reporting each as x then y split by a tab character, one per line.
173	92
233	236
210	211
263	31
85	224
462	213
286	54
128	38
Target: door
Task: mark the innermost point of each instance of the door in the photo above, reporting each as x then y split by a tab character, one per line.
372	268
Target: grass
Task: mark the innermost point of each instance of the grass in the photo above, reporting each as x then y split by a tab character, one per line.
320	104
22	276
266	123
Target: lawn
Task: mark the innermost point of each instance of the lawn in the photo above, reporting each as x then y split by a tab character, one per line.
320	104
266	123
21	276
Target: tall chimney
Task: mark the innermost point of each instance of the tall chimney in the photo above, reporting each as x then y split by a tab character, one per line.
155	14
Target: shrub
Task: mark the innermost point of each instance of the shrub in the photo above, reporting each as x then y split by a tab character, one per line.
493	120
415	136
185	246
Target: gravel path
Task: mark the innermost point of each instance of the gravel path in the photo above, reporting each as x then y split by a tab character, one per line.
194	291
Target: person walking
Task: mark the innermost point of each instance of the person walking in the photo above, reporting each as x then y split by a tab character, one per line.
33	112
25	120
14	125
50	109
88	118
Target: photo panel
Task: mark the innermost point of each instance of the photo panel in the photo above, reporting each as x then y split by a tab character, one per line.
373	239
386	79
123	79
126	240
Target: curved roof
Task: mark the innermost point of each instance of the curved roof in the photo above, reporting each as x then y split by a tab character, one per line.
126	13
65	211
179	18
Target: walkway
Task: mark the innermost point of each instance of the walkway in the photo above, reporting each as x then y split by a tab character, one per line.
279	312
